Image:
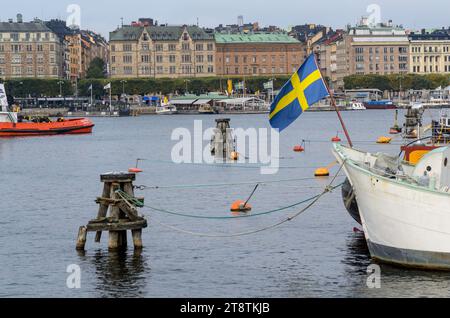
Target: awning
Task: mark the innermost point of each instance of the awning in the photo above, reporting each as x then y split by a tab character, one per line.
202	101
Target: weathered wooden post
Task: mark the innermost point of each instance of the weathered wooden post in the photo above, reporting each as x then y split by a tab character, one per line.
123	216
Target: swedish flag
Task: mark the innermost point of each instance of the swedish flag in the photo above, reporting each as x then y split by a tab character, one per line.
305	88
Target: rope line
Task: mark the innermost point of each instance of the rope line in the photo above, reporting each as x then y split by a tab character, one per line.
273	226
328	189
214	185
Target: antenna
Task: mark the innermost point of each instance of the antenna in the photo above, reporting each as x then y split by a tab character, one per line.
198	22
121	19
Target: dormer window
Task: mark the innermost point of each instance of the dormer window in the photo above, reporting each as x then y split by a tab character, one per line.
185	37
145	37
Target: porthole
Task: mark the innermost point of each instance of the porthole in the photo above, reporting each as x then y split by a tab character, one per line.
445	162
429	169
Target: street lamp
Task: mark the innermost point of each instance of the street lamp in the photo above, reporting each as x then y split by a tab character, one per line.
186	82
60	88
123	87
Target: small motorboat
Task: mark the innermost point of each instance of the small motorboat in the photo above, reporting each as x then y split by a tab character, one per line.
403	208
166	110
356	106
12	125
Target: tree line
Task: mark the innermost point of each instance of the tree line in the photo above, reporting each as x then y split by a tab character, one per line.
397	82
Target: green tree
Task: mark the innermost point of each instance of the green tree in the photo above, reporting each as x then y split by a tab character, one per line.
96	69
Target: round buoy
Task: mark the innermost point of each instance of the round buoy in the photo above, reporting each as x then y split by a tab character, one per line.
234	156
384	140
299	148
322	172
336	139
135	170
240	206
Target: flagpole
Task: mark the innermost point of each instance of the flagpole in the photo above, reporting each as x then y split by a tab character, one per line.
333	103
110	100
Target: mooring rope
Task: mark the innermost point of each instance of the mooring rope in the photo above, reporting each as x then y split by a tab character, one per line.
328	189
218	185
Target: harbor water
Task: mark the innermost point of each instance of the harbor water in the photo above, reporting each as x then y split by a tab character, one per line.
49	186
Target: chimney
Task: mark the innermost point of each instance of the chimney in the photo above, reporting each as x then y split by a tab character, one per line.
10	20
19	18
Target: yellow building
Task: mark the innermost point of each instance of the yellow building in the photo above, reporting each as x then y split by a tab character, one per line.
429	52
161	51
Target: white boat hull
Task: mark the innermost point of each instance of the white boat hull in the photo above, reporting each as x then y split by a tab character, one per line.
403	224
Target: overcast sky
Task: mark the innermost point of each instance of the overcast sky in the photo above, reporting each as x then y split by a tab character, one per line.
105	15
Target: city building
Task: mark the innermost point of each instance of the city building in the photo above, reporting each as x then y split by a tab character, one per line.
84	46
162	51
373	49
242	27
429	52
258	54
310	34
326	51
29	50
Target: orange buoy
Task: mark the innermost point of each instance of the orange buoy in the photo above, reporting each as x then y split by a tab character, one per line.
384	140
135	170
240	206
299	148
234	156
322	172
336	139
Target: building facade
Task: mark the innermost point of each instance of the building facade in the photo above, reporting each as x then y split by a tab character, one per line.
84	46
372	49
161	51
326	51
258	54
29	50
429	52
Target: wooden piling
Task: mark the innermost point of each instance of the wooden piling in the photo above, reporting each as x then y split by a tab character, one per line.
123	215
81	241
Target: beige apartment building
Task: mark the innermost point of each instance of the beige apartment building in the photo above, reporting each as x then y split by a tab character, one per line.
429	52
161	52
29	50
382	49
258	54
326	51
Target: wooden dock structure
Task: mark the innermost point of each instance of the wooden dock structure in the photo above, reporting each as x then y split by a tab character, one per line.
122	217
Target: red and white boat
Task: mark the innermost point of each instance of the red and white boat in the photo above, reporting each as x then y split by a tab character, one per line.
12	126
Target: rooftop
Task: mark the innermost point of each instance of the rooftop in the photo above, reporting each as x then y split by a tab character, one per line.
254	38
160	32
36	26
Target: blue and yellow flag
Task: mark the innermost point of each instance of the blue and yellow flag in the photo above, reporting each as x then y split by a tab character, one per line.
305	88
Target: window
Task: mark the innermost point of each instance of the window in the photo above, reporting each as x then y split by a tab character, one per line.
199	58
210	69
2	59
159	59
159	47
146	70
127	47
128	70
113	48
199	47
17	70
359	50
145	58
210	58
236	70
172	59
16	59
40	48
236	59
145	47
210	47
14	37
172	47
200	68
173	70
128	59
16	48
185	47
159	70
113	59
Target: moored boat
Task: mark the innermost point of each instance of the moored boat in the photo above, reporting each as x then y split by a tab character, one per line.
380	104
11	125
403	208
